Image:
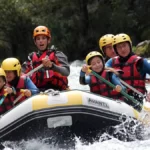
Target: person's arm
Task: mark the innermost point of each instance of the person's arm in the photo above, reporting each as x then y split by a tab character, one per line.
143	66
83	79
115	80
27	65
64	68
31	86
109	63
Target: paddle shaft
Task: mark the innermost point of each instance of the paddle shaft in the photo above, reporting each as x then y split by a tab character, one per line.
34	70
28	74
123	82
113	86
130	87
18	98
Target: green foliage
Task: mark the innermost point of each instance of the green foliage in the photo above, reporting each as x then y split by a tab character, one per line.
76	26
16	28
134	49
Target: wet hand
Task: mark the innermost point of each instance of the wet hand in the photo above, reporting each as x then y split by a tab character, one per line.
85	68
27	93
8	90
118	88
46	62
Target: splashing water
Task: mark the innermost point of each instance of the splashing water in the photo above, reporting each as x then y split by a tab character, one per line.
74	76
106	141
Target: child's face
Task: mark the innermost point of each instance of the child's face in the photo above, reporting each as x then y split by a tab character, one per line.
41	41
123	49
2	82
10	75
109	51
96	64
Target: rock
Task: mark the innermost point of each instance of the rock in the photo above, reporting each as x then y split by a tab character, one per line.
143	48
143	43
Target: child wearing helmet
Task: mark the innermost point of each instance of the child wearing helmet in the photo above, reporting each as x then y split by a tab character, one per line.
133	66
56	67
95	60
12	68
106	47
6	98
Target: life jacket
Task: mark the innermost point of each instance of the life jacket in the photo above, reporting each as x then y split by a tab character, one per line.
45	78
131	75
99	87
20	85
7	103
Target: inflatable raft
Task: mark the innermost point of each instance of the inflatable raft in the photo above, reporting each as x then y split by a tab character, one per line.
62	115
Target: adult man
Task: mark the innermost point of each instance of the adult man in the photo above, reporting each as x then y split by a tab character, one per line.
56	67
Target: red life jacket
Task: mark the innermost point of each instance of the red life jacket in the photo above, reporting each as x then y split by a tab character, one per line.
48	78
99	87
20	85
131	74
7	103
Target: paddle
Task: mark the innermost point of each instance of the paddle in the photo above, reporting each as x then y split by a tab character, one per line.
146	105
144	115
123	82
132	88
3	98
34	70
19	97
22	90
113	86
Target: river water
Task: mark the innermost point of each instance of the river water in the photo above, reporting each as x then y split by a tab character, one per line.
113	144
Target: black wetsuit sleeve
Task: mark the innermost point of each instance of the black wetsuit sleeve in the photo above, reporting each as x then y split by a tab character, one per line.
139	65
82	78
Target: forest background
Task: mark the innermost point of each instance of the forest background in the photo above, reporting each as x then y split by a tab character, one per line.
76	25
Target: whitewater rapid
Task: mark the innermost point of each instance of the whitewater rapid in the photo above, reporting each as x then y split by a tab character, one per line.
112	144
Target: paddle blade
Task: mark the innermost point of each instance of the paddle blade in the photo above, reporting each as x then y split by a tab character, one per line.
144	116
